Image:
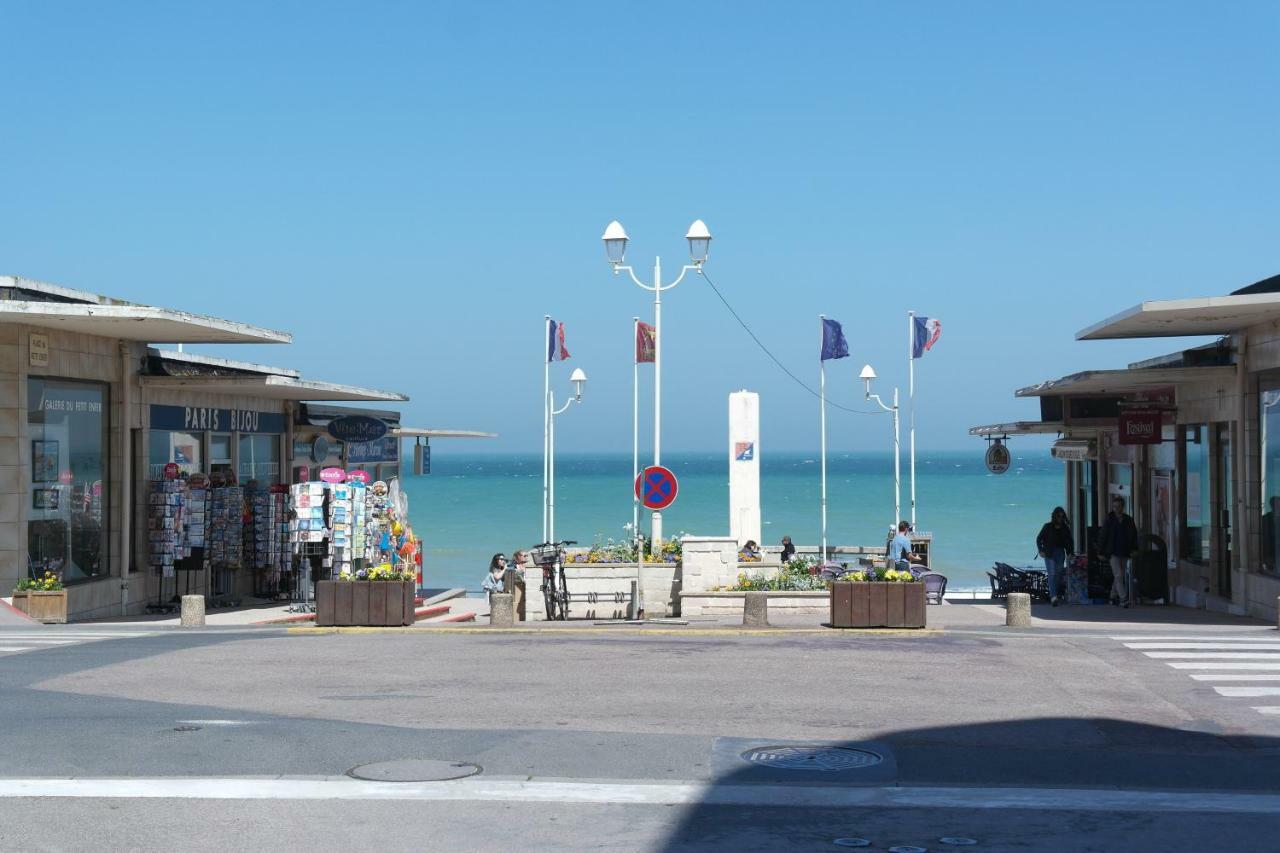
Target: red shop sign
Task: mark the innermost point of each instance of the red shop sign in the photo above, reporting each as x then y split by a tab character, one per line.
1140	427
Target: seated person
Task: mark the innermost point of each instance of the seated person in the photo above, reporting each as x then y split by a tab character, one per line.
750	552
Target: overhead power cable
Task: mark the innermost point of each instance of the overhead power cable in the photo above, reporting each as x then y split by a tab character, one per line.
774	358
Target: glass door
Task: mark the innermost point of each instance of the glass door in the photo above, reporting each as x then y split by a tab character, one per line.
1225	506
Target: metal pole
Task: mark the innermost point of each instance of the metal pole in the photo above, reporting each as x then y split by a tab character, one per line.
546	417
822	420
657	388
911	398
551	469
897	465
635	434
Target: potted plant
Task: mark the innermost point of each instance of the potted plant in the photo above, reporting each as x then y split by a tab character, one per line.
379	597
43	599
878	599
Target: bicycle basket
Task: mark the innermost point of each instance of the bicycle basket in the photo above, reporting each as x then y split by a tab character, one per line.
543	555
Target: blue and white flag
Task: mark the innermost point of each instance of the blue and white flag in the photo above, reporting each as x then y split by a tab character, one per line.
924	335
555	341
833	343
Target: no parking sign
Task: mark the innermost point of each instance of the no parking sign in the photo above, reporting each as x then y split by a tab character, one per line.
656	487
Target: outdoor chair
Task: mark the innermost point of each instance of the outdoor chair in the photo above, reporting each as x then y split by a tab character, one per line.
935	587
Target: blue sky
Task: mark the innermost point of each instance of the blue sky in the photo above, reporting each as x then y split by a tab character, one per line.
408	188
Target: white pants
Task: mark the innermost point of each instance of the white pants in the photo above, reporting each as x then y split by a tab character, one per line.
1121	582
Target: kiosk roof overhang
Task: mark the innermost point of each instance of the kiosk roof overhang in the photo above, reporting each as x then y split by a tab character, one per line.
273	387
1123	381
427	432
137	323
1209	315
1018	428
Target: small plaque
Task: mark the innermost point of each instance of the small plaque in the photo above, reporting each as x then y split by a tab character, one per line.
38	346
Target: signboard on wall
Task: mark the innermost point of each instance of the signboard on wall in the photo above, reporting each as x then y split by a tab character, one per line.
38	349
386	449
1140	426
357	429
209	419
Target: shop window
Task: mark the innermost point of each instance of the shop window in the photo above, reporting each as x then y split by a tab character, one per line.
1269	423
219	456
67	425
1196	514
1086	504
259	459
181	448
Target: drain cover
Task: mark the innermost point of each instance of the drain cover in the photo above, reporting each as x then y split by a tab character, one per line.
958	841
851	842
414	770
908	848
826	758
186	728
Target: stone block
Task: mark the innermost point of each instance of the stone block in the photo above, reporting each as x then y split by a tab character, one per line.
192	611
501	610
11	480
755	610
10	507
9	450
1017	612
10	536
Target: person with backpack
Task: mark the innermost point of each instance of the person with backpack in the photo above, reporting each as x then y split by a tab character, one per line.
1118	542
1054	543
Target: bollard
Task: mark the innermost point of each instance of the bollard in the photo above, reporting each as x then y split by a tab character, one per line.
502	611
1017	611
192	611
755	610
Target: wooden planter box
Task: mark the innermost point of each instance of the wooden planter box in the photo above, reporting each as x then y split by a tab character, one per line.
877	605
368	603
50	607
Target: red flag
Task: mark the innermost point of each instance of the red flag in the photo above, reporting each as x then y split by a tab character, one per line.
646	344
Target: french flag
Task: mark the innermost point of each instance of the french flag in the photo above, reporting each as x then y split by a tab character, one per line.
924	335
555	342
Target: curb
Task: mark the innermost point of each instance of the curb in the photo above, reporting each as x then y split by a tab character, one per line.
479	630
18	612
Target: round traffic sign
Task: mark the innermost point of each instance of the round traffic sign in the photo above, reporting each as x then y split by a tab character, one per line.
656	487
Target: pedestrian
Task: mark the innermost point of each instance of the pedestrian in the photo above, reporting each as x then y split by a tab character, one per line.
1054	543
900	554
788	550
1118	541
493	580
520	559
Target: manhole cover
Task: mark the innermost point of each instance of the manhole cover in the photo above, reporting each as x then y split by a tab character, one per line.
908	848
186	728
826	758
851	842
414	770
958	841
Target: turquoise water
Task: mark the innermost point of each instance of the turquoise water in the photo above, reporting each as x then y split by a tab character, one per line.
472	506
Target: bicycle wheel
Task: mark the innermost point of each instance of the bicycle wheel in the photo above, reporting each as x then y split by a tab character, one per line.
564	597
549	595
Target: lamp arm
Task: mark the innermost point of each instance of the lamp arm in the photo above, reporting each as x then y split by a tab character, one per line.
880	402
565	407
617	268
683	272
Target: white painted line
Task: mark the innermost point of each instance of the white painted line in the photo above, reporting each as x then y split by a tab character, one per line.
1248	691
16	649
212	723
1269	634
641	793
1223	665
1237	677
1218	655
1267	709
40	642
1208	646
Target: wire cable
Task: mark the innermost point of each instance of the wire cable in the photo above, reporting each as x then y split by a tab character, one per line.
774	358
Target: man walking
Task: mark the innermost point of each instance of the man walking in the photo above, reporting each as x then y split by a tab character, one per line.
1118	541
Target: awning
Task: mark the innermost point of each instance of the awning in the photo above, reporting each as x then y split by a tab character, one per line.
426	432
272	387
1124	381
174	363
1210	315
137	323
1018	428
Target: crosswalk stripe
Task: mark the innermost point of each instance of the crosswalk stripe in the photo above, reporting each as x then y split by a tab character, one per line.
1248	691
1269	636
1267	709
1235	677
1178	664
1207	646
1217	655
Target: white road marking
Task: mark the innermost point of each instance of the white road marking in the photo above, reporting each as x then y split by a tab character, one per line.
641	793
1218	655
1267	709
1207	646
1222	665
1236	676
1269	635
212	723
1248	691
32	641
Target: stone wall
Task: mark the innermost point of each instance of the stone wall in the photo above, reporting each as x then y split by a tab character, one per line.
708	562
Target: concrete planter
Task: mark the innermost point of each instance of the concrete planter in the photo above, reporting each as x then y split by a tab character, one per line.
368	603
877	605
48	607
781	603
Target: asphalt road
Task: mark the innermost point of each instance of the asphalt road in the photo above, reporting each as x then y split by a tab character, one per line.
619	740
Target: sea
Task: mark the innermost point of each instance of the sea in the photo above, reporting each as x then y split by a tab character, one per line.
471	507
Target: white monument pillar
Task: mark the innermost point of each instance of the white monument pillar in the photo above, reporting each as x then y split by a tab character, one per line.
744	466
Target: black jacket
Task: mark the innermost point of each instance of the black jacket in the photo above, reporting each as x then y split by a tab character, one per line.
1119	536
1053	537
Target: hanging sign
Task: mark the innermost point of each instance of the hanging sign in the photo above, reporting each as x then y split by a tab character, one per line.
333	475
1140	426
357	428
657	487
997	458
358	477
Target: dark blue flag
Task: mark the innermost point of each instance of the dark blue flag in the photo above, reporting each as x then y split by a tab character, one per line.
833	343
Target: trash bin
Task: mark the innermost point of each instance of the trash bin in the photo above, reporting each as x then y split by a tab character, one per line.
1151	568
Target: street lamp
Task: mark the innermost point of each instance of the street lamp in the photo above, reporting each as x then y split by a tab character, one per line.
867	374
579	380
615	248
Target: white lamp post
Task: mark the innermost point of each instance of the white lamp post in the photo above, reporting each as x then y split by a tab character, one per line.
579	380
866	376
615	248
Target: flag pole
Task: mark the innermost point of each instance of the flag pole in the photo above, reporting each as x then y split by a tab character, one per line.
822	420
911	398
546	417
635	435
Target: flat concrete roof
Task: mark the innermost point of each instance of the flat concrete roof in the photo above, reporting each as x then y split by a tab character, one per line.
273	387
1120	381
214	361
1209	315
427	432
1018	428
137	323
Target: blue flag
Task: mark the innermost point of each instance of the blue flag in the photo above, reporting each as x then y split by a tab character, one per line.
833	343
924	334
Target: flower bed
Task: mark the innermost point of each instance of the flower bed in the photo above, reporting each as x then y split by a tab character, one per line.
893	603
44	599
376	603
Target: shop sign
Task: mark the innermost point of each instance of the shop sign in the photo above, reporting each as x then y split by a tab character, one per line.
38	349
997	458
333	475
1165	395
208	419
1074	450
358	477
357	429
386	449
1140	426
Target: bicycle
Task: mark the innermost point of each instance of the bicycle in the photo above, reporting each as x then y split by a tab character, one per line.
555	591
